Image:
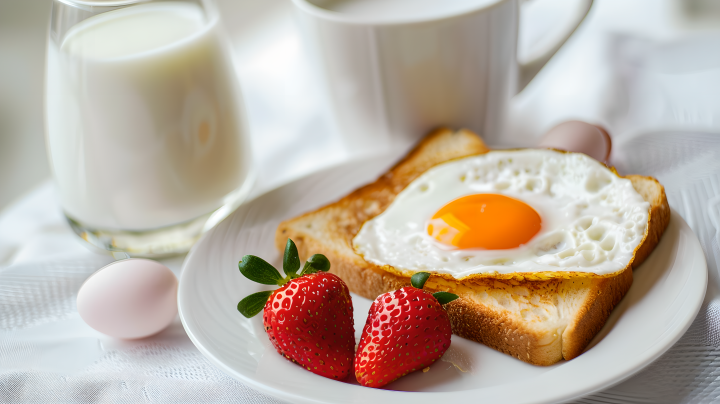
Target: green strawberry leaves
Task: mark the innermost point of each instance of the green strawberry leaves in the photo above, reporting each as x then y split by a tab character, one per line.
445	297
253	304
258	270
316	263
291	259
418	281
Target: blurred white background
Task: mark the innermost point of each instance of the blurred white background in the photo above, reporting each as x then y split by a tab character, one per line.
23	163
625	51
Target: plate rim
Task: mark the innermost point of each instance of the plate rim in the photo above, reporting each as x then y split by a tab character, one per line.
389	158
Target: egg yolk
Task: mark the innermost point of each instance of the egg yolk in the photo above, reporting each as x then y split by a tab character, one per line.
484	221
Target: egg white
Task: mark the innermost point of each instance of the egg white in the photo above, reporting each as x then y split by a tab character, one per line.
592	220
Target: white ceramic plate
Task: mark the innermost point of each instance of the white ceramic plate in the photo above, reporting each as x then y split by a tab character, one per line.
662	302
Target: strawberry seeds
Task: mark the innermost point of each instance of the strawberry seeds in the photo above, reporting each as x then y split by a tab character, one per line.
309	321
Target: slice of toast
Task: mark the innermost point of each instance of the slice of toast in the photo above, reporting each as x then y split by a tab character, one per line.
539	322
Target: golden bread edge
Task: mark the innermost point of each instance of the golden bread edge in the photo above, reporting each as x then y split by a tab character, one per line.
492	327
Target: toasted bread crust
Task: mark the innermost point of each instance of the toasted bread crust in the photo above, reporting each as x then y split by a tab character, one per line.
604	295
490	311
651	190
503	332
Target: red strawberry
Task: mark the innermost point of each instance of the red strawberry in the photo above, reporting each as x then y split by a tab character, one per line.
406	330
309	319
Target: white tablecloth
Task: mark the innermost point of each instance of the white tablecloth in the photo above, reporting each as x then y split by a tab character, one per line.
47	354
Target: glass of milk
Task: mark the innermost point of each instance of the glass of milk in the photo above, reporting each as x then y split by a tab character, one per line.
146	132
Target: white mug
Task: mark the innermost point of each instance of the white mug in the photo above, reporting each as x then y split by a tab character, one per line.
393	70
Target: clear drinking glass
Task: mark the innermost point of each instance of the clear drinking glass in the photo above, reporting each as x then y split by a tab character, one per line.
146	133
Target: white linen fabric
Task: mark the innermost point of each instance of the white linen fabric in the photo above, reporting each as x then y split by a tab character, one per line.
47	354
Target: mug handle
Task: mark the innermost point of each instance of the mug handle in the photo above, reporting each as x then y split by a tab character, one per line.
529	69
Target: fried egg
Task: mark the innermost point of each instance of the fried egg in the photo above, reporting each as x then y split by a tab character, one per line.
528	213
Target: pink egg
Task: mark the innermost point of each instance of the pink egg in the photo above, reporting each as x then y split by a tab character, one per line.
132	298
578	136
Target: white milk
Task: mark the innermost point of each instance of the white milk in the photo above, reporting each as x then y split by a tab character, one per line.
144	125
404	9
